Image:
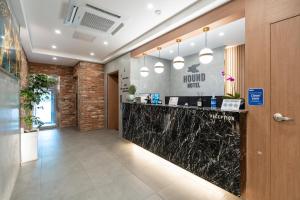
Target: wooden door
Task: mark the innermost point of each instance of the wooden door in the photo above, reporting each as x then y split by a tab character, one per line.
285	99
113	101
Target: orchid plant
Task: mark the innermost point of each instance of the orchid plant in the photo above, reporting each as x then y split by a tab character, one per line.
231	79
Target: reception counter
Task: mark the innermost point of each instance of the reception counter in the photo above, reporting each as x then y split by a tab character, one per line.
208	143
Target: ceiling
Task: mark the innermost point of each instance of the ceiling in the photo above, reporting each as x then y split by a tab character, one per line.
226	35
141	25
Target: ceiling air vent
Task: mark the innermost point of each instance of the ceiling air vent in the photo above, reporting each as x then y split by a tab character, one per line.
96	22
103	11
93	18
83	36
117	29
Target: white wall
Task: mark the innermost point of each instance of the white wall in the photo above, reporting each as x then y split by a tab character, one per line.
9	134
214	83
169	83
122	65
154	83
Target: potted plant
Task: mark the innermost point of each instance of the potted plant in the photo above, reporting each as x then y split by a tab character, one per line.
33	94
131	92
234	95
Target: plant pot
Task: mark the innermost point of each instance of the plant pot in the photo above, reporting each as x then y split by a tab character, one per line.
29	145
131	97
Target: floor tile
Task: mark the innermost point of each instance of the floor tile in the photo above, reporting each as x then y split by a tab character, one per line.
126	188
100	165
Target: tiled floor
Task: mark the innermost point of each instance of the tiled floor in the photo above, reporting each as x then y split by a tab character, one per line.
102	166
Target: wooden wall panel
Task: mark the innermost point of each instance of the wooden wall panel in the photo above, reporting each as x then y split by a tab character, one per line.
259	16
225	14
235	67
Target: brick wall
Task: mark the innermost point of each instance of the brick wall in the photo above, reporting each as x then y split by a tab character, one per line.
66	113
90	89
23	83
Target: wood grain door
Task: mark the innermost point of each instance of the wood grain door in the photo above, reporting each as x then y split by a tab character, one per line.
285	99
113	101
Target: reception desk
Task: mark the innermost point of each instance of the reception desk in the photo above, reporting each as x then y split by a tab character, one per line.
208	143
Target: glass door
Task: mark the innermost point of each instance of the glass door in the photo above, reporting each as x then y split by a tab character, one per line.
46	110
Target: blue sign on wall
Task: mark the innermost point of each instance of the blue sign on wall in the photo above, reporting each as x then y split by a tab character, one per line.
256	96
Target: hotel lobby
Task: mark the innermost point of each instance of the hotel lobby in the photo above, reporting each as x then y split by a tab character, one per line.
149	100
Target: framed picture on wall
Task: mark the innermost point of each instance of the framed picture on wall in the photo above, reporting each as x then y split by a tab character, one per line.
10	50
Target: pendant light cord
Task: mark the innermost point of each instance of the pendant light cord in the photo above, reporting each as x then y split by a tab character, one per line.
178	48
144	60
205	39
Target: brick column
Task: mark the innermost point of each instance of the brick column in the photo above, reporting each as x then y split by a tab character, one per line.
90	90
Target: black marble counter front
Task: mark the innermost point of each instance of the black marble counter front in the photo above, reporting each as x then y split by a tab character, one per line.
208	143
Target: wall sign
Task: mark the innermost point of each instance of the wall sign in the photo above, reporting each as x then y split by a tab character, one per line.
193	80
223	117
231	104
124	84
256	96
173	101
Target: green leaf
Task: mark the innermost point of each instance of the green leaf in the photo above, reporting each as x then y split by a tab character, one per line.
38	86
132	89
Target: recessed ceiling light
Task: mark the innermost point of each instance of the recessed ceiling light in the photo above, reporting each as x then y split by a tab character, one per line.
192	44
150	6
105	43
54	58
92	53
53	47
57	31
158	12
221	34
171	51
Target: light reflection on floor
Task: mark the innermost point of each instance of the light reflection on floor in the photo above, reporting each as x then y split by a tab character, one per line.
100	165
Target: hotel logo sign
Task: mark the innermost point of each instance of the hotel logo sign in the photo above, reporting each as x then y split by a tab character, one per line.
194	79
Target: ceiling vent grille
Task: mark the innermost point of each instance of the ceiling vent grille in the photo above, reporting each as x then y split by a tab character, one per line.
117	29
83	36
93	18
103	11
96	22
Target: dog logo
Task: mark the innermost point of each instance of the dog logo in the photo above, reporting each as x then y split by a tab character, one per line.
193	69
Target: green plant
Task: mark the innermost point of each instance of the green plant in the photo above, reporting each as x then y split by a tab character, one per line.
33	94
132	89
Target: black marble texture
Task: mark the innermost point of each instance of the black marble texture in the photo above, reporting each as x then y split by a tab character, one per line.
208	143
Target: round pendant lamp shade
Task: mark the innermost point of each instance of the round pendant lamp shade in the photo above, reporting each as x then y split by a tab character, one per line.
206	56
144	71
159	68
178	63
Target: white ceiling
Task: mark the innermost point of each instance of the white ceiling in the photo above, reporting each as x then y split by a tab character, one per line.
234	34
42	17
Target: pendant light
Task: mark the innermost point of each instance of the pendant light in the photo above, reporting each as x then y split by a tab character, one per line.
159	66
178	62
206	54
144	71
